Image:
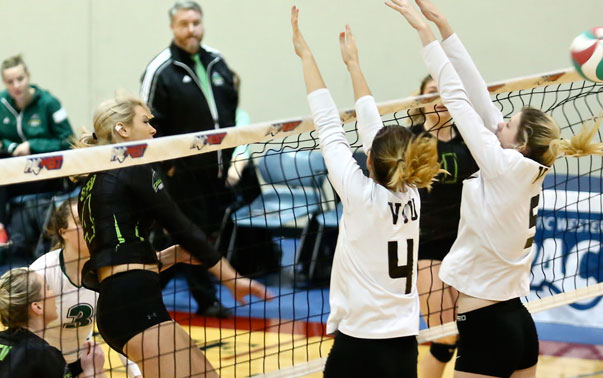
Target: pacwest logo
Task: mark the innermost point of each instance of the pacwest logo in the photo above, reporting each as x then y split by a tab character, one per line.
35	165
121	153
201	141
282	126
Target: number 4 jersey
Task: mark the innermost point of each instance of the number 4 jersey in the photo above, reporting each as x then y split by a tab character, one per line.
75	306
373	280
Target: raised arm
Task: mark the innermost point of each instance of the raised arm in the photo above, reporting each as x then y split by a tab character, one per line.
369	120
482	143
472	80
336	151
312	75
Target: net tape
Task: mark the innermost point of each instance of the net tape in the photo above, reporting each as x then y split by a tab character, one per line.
100	158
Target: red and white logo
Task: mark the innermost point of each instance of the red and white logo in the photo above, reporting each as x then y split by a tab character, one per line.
282	126
51	163
122	152
201	141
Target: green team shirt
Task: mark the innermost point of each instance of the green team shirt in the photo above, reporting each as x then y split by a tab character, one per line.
43	123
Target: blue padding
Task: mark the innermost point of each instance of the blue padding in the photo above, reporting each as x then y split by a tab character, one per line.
584	183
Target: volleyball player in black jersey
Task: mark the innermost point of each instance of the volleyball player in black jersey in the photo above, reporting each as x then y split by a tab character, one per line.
117	209
439	222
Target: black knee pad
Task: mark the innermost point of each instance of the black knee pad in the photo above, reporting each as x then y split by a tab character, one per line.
442	352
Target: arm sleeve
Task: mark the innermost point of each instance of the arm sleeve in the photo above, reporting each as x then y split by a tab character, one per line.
369	121
59	127
472	80
344	172
154	93
482	143
149	186
9	145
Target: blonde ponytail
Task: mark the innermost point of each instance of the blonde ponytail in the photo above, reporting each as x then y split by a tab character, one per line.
421	164
541	137
107	114
400	159
581	143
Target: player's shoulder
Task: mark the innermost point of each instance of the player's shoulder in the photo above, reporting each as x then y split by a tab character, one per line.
49	260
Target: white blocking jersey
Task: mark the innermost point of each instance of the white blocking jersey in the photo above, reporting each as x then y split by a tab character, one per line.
373	280
492	254
75	305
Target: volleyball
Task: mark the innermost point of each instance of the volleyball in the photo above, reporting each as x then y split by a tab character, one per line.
587	54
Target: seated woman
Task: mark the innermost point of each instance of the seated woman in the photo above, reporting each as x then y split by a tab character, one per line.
33	121
27	306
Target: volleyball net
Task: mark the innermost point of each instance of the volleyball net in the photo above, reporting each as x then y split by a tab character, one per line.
281	224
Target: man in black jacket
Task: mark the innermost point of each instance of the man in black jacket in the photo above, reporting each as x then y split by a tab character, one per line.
189	88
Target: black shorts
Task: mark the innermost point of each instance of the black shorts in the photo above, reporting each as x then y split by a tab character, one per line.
497	340
435	249
128	303
354	357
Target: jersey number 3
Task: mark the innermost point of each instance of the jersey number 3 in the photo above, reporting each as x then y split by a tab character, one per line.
81	315
401	271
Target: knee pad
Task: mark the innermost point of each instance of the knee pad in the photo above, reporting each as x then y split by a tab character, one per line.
442	352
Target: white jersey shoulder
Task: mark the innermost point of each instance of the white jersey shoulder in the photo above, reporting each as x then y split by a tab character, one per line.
75	305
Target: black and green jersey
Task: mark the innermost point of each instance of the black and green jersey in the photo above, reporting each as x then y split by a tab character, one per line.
23	354
43	123
117	209
441	207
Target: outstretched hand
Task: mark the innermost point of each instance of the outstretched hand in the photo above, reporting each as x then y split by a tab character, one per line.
242	286
299	43
409	12
349	50
430	11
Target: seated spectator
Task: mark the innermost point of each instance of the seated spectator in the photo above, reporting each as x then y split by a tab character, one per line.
27	305
31	121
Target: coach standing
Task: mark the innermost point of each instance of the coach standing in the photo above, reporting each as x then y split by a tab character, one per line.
189	88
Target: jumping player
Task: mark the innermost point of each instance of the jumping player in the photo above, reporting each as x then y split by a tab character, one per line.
489	263
373	297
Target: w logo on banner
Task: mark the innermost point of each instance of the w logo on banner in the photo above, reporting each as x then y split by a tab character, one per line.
282	126
121	153
35	165
201	141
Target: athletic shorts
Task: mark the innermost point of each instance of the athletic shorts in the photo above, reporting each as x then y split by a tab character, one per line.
435	249
497	340
354	357
128	303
